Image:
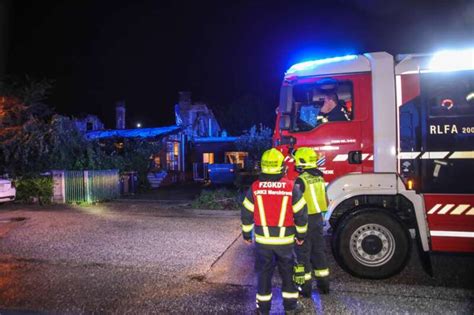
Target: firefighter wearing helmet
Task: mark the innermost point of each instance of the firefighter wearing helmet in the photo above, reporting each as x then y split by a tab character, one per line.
312	253
275	211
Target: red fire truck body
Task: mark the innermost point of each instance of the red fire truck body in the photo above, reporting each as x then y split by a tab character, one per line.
399	157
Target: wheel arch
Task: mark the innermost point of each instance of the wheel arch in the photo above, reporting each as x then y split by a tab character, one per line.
382	190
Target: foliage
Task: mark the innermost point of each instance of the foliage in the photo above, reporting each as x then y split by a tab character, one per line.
23	99
245	111
34	189
244	179
255	142
23	123
218	199
33	140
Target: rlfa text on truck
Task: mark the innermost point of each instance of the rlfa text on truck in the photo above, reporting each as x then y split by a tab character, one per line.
398	154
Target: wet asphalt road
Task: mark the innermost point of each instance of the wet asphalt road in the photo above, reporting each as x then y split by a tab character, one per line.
137	258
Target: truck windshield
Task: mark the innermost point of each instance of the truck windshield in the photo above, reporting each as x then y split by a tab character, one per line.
317	103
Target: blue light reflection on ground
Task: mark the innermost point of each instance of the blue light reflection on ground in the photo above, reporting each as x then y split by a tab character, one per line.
313	306
318	306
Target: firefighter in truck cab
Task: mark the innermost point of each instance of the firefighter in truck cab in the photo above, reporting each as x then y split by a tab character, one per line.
275	210
312	253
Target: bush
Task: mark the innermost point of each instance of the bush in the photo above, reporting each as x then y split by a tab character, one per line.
219	199
255	142
34	189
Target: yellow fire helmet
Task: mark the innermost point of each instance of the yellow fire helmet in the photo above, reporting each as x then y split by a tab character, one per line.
306	158
272	162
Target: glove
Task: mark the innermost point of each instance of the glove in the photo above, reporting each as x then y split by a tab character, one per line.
298	274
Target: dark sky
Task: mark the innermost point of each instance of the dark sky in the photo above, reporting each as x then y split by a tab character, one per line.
146	51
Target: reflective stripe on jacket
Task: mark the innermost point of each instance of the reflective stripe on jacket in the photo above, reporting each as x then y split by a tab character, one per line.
314	193
274	210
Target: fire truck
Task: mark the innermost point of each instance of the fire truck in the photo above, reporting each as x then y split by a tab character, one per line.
398	154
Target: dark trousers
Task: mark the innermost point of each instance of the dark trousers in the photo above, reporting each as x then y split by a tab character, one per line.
269	256
313	251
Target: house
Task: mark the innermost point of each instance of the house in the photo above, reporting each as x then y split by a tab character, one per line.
88	123
208	143
166	166
188	147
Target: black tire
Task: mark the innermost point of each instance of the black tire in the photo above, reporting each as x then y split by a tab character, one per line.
371	243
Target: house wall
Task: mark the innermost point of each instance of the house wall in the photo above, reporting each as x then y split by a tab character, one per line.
218	148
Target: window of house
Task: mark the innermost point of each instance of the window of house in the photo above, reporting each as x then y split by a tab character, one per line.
237	158
172	155
89	126
325	101
157	161
208	158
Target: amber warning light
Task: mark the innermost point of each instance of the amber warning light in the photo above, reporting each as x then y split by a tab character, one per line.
410	184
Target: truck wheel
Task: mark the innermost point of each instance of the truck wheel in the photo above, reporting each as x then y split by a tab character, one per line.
371	243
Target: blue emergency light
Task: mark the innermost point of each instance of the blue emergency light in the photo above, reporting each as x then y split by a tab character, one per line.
308	65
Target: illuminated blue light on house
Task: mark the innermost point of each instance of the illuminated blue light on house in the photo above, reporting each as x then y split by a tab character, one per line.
309	65
132	133
452	60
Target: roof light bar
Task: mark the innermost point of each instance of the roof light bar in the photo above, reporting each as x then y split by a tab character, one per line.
309	65
451	60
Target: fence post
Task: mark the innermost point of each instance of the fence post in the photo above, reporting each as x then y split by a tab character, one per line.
87	190
59	186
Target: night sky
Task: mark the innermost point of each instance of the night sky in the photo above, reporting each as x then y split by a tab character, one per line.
144	52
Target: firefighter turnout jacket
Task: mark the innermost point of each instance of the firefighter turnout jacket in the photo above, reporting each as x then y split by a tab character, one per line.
314	189
312	254
275	210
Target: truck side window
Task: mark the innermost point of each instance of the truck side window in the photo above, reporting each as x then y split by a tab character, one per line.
327	100
449	94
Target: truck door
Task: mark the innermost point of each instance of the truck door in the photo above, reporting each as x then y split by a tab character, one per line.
343	136
447	158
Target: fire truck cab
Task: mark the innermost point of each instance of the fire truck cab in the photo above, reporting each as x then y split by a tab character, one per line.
396	143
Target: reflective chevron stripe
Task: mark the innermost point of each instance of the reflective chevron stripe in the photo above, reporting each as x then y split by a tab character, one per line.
428	155
451	209
344	157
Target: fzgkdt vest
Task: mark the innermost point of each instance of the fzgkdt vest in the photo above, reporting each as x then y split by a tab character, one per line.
271	199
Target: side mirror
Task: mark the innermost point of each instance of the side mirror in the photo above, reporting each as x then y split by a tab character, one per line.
285	122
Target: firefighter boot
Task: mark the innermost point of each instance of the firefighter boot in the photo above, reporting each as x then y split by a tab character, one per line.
297	310
306	289
323	285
